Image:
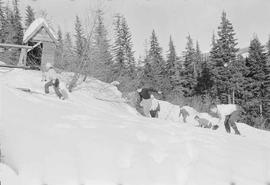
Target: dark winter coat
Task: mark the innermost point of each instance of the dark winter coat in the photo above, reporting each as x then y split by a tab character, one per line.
146	93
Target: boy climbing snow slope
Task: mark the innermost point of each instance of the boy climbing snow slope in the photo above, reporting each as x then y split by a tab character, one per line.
51	77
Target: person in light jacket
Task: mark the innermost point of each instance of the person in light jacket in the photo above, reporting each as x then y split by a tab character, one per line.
229	114
52	80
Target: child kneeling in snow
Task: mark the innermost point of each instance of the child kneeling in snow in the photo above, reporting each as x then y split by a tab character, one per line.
205	123
52	79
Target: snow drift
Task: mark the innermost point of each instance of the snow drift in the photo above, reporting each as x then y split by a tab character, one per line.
88	141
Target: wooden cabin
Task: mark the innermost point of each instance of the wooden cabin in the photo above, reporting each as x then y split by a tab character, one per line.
41	37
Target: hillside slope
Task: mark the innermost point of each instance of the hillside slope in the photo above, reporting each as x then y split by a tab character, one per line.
84	141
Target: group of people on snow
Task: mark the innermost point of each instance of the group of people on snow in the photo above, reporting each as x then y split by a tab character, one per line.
151	106
228	114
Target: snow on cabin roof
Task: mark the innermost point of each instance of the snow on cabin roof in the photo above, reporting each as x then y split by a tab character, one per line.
35	27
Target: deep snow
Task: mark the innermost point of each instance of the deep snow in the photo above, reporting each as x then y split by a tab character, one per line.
84	141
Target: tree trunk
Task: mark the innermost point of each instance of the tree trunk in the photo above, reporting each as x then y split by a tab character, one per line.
233	97
261	110
229	99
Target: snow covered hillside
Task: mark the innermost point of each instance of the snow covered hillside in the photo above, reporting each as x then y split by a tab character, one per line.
86	141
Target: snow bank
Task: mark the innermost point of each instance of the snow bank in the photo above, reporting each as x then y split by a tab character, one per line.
88	141
8	176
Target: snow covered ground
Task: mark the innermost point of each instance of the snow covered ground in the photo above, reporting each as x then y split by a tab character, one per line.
86	141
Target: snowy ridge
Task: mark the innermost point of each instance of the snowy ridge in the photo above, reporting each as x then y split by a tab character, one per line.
87	141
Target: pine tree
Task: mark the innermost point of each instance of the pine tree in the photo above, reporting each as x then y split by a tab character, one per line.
17	25
122	49
68	53
266	104
189	71
256	63
171	63
2	22
101	50
204	81
118	48
79	38
59	49
30	16
222	53
198	61
127	44
157	63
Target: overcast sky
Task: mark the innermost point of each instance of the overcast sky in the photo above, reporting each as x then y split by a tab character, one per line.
199	18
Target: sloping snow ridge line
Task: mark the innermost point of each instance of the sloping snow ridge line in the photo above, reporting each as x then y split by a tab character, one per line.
86	141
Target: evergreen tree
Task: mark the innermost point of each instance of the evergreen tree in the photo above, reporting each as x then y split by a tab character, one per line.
118	48
2	22
266	104
30	16
59	49
127	44
198	61
156	62
189	71
222	53
122	49
101	50
68	53
204	81
17	25
256	63
79	38
171	63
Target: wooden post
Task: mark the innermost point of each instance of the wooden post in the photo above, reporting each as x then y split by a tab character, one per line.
22	59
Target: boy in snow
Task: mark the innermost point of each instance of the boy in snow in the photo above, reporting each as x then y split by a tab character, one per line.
229	114
203	122
184	113
52	79
155	108
146	100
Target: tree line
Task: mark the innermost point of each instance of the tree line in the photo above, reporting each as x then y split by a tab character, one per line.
191	77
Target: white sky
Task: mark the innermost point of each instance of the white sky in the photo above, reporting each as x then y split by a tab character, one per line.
178	18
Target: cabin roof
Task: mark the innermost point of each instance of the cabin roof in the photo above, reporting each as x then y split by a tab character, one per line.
34	29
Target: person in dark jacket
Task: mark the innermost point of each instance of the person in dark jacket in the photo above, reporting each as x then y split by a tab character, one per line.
146	100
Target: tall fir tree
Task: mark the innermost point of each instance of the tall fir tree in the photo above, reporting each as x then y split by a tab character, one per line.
68	53
2	21
266	104
102	57
222	53
123	49
59	49
17	24
156	62
171	63
189	68
256	63
29	16
118	48
198	60
79	38
128	47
